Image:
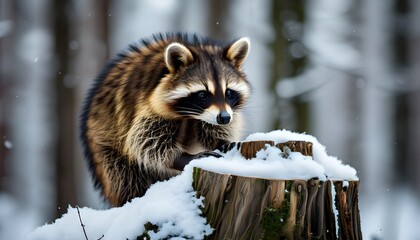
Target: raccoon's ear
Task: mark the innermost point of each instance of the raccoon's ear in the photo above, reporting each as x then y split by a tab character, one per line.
237	52
177	56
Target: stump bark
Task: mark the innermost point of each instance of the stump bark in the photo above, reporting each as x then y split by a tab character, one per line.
240	207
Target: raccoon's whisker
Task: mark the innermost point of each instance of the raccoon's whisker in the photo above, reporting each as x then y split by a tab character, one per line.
234	103
188	112
191	108
197	110
196	106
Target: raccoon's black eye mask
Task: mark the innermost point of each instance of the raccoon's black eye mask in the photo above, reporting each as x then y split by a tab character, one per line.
193	104
232	97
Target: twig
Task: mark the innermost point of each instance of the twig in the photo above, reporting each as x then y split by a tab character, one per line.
81	223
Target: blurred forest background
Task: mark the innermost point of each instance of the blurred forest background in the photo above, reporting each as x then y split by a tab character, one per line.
344	71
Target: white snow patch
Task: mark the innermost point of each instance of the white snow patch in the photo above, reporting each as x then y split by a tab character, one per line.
268	164
334	206
333	168
345	184
172	205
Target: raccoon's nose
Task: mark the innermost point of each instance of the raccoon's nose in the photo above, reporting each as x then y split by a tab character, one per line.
223	118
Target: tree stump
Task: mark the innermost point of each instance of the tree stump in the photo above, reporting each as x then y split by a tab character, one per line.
240	207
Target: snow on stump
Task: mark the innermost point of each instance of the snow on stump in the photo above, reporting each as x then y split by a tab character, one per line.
243	207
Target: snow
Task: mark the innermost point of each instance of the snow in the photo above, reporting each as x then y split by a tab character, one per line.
268	164
332	167
172	205
335	210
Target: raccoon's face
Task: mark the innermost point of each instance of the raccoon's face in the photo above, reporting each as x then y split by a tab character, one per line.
208	83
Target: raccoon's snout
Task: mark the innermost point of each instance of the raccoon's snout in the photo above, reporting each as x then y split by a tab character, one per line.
223	118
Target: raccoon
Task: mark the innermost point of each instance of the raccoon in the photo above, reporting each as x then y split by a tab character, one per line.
158	105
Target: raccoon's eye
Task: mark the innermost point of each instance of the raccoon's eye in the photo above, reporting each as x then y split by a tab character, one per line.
232	97
202	95
229	93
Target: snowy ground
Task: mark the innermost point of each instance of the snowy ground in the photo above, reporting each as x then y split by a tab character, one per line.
172	205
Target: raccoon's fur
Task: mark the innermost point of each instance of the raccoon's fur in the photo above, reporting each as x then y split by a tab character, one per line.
156	106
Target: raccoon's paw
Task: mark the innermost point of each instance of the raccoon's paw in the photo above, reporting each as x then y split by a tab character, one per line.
180	162
224	148
207	154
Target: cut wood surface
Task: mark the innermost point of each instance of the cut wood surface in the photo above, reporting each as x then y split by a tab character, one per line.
250	149
239	207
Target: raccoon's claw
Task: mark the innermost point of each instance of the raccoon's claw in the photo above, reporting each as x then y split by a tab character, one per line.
207	154
229	146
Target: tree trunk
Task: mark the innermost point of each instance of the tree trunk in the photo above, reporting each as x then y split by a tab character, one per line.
64	159
252	208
